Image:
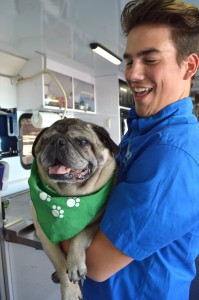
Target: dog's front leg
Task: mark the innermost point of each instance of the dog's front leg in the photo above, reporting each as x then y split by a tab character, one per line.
76	259
69	291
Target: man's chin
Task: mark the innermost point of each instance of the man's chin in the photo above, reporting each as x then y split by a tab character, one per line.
142	111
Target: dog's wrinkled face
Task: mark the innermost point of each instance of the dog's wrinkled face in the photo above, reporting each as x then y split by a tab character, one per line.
72	151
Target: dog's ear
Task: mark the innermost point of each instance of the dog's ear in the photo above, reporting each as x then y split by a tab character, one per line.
106	139
36	140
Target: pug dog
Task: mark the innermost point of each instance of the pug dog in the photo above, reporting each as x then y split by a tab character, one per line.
71	178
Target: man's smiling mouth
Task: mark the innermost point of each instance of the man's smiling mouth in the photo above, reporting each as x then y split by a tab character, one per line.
142	91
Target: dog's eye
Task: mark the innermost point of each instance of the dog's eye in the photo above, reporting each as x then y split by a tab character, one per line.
82	142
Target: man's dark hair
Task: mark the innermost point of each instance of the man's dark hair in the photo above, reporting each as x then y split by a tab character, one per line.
183	19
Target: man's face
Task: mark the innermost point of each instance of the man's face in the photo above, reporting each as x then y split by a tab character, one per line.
152	72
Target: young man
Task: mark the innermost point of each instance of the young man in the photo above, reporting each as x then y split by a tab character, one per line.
149	236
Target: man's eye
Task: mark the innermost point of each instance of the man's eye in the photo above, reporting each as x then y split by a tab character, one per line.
151	61
129	63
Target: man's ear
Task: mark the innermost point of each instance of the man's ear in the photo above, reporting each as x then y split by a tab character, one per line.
192	65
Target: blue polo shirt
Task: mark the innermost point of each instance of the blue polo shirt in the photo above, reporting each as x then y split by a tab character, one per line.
153	212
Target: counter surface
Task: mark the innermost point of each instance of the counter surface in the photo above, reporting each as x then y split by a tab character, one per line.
19	227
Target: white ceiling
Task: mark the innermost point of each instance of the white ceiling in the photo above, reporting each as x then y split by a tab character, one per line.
60	28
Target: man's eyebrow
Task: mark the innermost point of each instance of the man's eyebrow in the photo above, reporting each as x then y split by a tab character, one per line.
141	53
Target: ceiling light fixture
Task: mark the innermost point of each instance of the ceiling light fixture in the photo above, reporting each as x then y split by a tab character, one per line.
106	53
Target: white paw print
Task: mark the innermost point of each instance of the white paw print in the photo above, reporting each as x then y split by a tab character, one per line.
57	211
43	196
73	202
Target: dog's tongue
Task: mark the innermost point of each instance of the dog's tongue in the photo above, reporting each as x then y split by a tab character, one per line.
59	169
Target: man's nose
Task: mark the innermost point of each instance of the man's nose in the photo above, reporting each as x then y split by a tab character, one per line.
134	72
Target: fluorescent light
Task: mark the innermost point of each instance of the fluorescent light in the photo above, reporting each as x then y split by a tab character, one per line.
106	53
123	89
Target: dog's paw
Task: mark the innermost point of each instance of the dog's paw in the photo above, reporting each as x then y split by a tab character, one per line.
72	292
76	269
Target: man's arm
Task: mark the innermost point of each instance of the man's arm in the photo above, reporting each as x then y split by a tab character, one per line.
103	259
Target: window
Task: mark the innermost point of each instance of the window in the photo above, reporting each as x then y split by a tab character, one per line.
27	135
125	95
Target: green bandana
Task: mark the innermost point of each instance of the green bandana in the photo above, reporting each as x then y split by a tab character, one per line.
61	218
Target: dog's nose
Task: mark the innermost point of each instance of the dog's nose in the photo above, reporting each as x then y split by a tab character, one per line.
58	142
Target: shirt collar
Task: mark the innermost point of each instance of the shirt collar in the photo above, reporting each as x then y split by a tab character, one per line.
171	114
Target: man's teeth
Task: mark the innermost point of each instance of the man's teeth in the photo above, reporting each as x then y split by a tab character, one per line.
139	90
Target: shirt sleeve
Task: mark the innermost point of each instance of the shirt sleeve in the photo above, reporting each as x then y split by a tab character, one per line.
156	204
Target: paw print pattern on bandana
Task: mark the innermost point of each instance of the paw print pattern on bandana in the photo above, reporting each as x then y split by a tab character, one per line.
57	211
45	197
71	202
